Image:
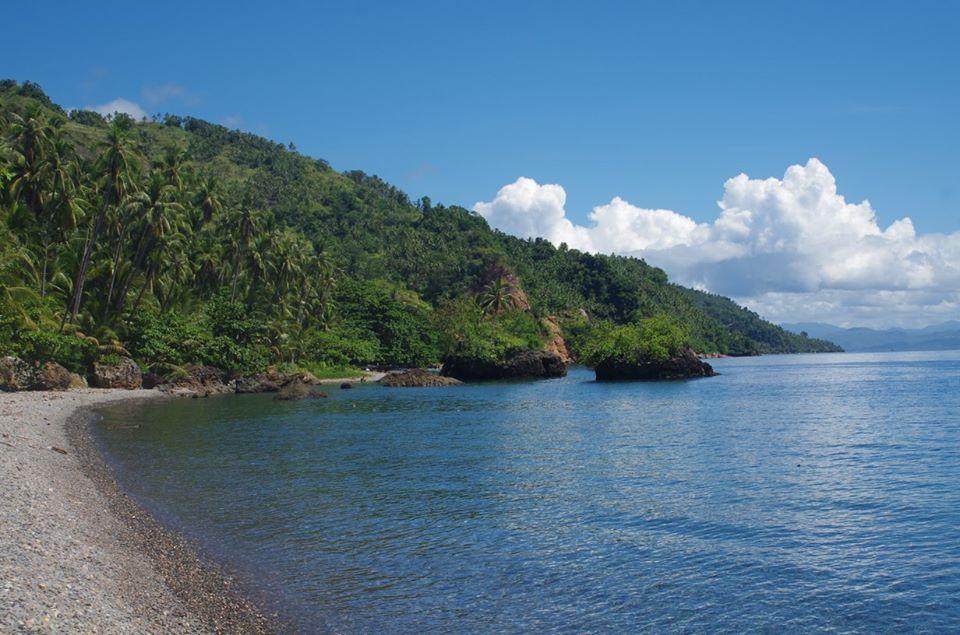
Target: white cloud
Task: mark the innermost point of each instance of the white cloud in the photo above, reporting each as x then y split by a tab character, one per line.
792	248
119	105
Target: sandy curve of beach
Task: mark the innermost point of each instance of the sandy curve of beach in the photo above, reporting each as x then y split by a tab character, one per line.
76	554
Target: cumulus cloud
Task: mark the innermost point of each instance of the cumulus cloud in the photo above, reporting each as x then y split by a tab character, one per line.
792	248
119	105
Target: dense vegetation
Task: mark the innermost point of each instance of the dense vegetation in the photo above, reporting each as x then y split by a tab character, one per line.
180	241
650	339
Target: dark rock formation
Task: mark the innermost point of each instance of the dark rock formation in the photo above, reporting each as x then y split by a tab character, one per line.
297	389
126	374
255	383
525	364
346	385
151	380
271	381
199	381
686	365
417	378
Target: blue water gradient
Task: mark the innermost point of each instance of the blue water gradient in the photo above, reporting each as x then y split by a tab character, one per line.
808	492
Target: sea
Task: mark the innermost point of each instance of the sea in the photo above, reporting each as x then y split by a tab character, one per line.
789	493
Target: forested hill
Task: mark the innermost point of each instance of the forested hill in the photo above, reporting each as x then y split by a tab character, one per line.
151	232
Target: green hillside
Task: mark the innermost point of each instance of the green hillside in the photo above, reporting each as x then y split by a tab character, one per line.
185	242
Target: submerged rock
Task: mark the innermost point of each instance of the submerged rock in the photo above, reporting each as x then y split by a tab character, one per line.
125	374
417	378
525	364
685	365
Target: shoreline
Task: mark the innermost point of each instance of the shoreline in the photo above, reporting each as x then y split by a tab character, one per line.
79	554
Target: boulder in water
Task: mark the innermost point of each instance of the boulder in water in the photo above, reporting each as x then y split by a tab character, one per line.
685	365
297	389
525	364
417	378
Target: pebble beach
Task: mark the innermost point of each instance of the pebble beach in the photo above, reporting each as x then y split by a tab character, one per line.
76	553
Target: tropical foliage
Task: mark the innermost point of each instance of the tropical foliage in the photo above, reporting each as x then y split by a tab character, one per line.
186	242
650	339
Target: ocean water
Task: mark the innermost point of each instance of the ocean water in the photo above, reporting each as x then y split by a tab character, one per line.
791	493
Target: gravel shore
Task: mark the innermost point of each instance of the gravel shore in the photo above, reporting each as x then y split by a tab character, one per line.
76	554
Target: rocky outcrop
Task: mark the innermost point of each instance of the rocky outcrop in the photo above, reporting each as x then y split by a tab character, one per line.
15	374
297	389
255	383
152	380
417	378
51	376
685	365
125	374
198	381
271	381
556	345
525	364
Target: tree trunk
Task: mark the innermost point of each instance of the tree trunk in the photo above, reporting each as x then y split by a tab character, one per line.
85	265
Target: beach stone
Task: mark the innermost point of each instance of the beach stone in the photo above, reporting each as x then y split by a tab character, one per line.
126	374
51	376
417	378
15	374
77	382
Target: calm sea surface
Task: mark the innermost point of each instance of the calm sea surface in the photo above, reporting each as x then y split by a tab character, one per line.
790	493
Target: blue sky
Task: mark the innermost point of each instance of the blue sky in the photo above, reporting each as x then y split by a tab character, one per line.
656	103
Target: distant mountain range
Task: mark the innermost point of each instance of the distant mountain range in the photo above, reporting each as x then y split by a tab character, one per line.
937	337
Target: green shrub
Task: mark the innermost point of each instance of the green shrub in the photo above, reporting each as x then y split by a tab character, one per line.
400	321
344	346
651	339
71	352
466	333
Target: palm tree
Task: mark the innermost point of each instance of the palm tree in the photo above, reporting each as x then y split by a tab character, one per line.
157	213
30	134
64	203
496	297
207	200
171	165
245	223
116	165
